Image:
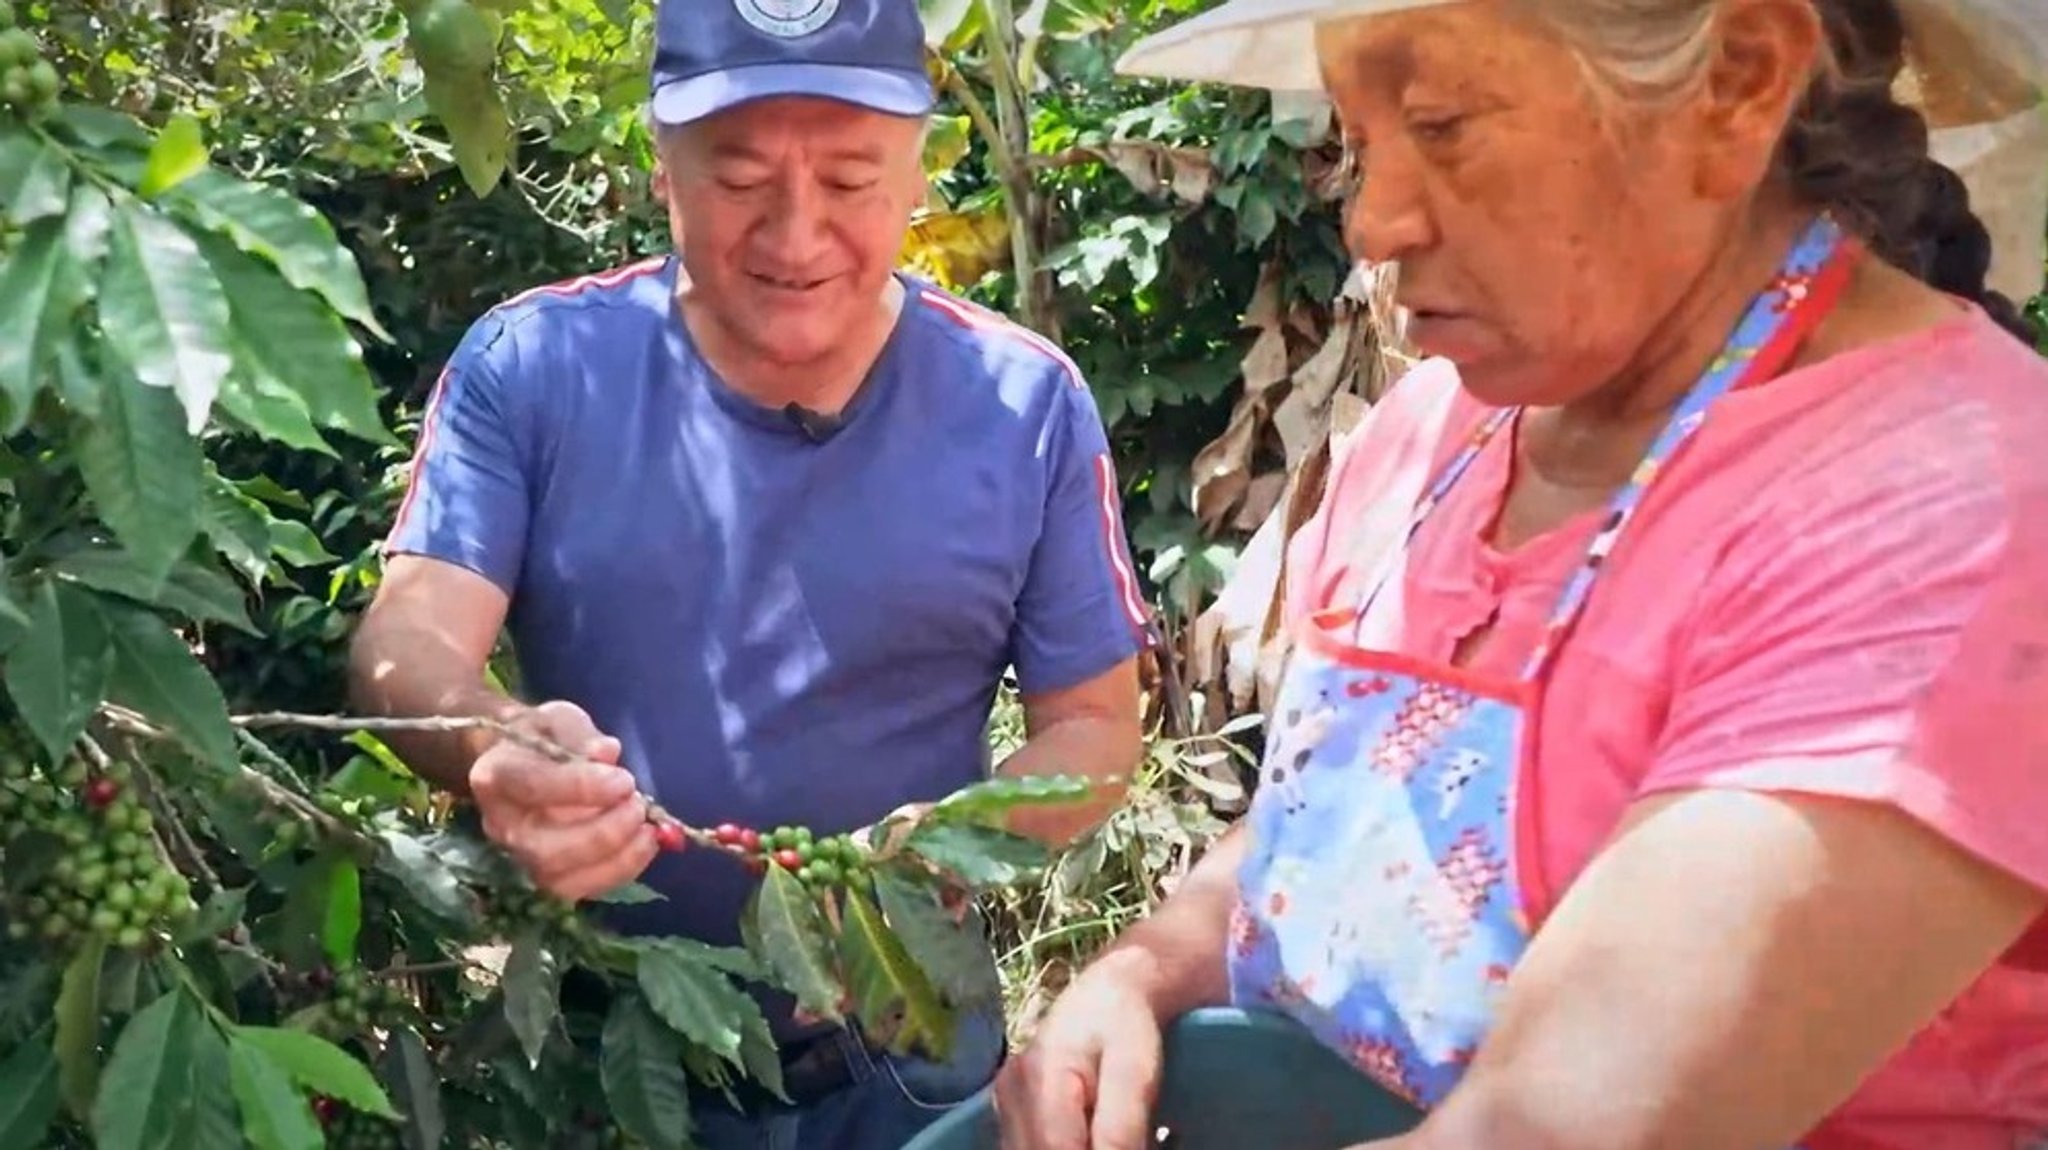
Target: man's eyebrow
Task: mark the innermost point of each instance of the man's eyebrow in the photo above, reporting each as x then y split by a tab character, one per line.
745	151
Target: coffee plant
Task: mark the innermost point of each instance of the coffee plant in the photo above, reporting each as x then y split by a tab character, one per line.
210	943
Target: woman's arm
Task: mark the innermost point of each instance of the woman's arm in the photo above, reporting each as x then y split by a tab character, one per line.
1726	973
1174	957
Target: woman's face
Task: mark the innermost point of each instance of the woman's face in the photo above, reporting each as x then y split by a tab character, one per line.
1543	234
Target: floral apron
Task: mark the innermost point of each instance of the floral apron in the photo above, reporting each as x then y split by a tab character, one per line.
1394	872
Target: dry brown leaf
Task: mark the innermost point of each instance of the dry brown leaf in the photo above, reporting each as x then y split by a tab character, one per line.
1303	418
1154	168
1266	363
1261	495
1264	308
955	249
1222	470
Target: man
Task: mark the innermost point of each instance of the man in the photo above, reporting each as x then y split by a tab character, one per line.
768	521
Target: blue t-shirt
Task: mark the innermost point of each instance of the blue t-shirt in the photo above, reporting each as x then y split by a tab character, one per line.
780	626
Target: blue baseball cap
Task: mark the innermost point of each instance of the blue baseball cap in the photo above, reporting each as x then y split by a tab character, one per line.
710	55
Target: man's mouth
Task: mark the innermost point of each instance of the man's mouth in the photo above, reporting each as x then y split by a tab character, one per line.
788	284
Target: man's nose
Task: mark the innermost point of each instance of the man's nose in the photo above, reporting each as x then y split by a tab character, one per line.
799	220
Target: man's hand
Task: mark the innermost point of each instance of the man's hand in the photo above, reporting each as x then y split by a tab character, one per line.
580	828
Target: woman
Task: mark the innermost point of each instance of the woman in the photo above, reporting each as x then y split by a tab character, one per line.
1663	757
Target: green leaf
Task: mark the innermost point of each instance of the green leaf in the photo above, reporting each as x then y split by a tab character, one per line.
179	154
276	226
101	128
533	987
264	405
144	473
955	953
217	915
121	981
320	1066
27	994
238	526
194	591
163	312
275	1115
88	231
699	1002
632	894
979	856
27	283
988	801
161	1089
157	675
733	960
785	932
426	875
761	1056
295	544
58	672
1067	19
77	384
13	618
35	179
344	918
291	346
409	1072
78	1028
896	999
31	854
28	1092
468	105
641	1066
942	18
318	897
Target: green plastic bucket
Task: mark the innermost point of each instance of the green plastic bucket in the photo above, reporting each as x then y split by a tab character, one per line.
1234	1079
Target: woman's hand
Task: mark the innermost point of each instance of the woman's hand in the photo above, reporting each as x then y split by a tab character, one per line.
1091	1073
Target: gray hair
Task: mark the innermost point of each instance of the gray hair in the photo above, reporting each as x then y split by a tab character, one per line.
1851	146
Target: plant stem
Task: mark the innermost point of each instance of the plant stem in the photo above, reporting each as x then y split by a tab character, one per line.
1013	126
397	972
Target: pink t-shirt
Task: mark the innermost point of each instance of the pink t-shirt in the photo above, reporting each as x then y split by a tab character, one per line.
1840	586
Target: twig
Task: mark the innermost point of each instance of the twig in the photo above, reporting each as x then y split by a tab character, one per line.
451	723
1004	159
433	724
282	796
172	828
271	968
397	972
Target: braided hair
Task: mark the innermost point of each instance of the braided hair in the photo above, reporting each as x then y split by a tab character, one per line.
1854	148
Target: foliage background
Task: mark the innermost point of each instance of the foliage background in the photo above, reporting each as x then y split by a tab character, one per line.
1188	235
1182	243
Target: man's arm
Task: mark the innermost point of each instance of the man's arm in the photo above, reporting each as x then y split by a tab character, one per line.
454	554
1090	731
421	650
1080	627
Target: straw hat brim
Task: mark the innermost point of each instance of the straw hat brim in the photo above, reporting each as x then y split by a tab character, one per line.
1970	61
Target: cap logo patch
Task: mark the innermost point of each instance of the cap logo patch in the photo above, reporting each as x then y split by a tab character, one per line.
787	18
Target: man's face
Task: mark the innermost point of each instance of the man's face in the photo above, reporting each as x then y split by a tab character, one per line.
790	214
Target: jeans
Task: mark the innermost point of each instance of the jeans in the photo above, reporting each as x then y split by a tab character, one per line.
891	1099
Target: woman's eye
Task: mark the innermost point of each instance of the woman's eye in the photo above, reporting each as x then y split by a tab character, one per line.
1435	129
1350	168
